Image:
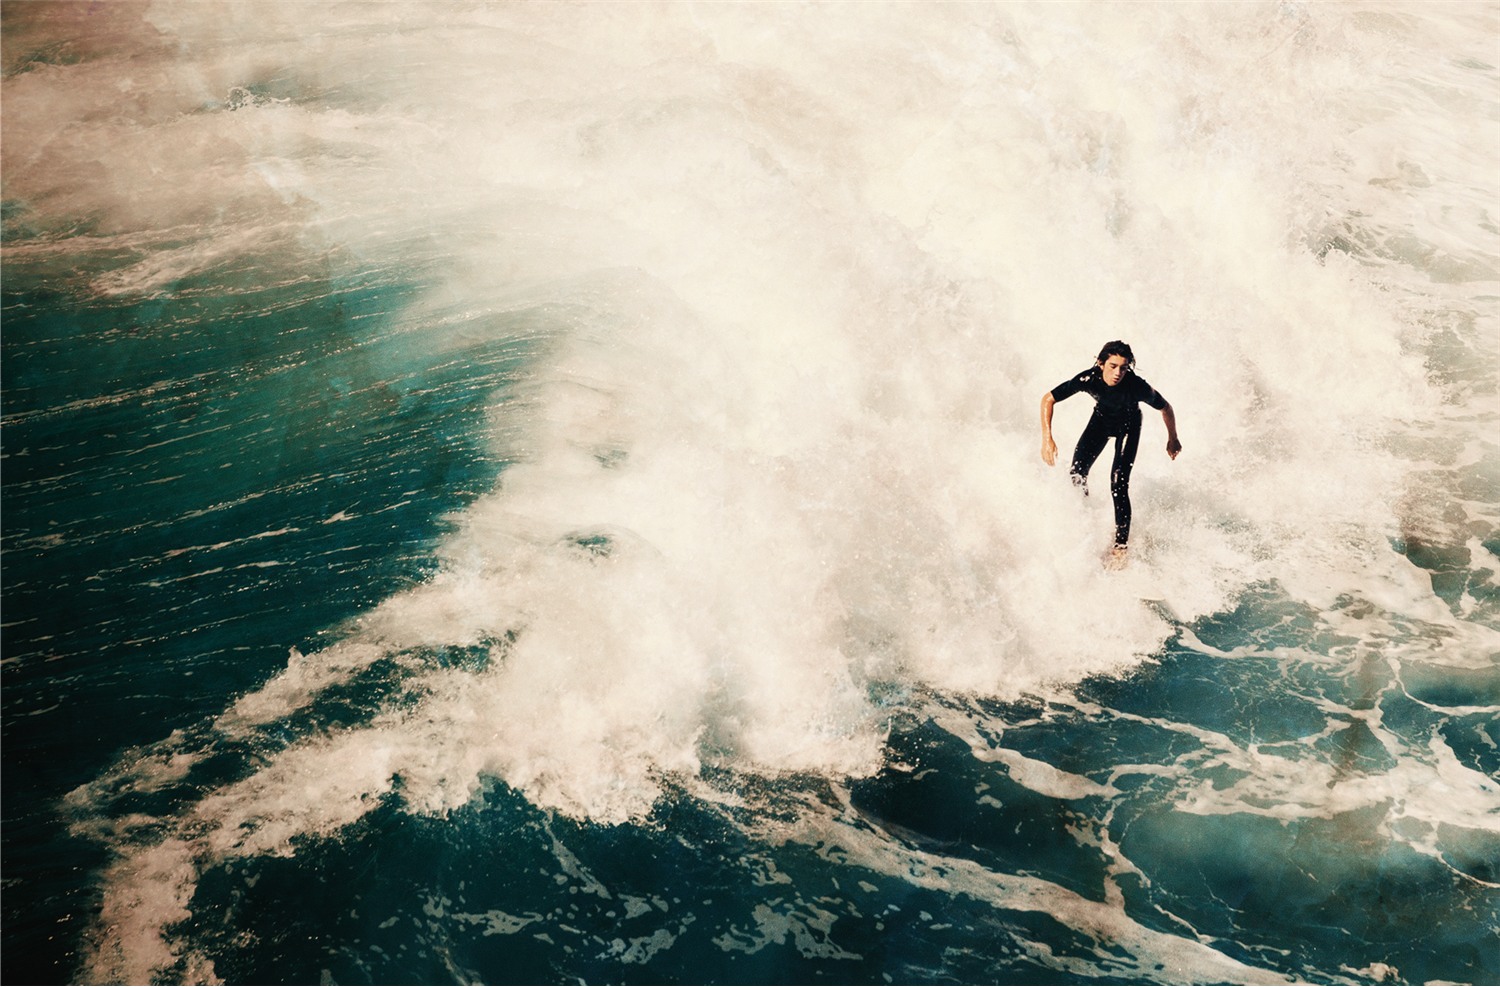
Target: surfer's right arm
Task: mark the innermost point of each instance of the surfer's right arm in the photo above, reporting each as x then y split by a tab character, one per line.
1049	448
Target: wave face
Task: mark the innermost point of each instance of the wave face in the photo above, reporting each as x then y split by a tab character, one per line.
523	493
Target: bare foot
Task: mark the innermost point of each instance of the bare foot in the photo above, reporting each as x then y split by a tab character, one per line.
1116	558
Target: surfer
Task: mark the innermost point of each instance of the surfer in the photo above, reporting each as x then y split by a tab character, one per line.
1117	394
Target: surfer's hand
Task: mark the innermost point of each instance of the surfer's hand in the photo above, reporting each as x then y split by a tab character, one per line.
1049	451
1169	419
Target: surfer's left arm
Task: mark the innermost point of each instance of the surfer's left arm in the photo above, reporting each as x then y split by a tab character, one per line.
1167	416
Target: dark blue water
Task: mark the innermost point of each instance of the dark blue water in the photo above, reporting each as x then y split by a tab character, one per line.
170	471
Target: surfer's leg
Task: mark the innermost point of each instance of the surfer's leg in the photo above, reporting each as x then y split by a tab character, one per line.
1090	444
1119	481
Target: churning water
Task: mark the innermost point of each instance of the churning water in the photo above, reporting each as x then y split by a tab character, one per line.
551	492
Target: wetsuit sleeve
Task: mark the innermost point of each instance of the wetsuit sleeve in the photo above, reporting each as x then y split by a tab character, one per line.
1069	387
1145	392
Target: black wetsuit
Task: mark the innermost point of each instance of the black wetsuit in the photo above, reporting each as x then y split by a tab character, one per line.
1117	414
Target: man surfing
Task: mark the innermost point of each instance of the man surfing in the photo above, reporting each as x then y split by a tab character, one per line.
1117	394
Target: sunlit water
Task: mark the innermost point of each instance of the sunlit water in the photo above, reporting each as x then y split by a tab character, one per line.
540	493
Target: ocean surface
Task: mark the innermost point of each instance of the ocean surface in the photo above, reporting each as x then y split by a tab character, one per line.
551	493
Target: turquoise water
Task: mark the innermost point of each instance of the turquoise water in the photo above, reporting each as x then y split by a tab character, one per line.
538	494
148	519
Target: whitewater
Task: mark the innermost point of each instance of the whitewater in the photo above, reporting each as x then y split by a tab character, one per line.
552	493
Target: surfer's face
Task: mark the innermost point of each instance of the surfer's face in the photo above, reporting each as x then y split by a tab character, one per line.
1113	368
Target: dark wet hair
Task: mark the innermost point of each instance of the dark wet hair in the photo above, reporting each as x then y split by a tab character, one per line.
1117	347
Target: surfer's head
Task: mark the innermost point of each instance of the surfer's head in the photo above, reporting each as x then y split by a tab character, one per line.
1114	359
